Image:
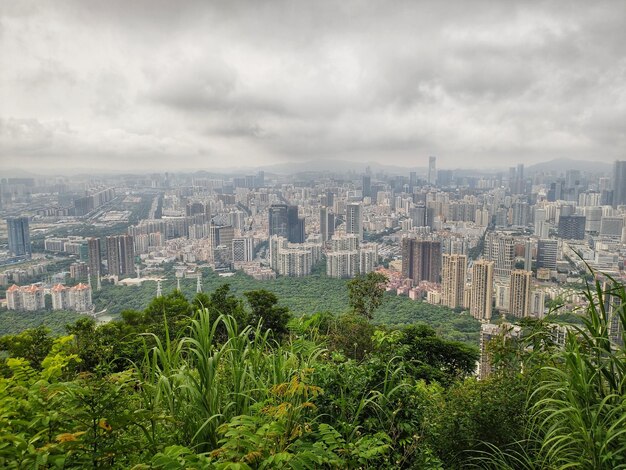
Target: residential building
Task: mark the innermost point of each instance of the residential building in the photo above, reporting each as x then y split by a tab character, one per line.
481	293
453	273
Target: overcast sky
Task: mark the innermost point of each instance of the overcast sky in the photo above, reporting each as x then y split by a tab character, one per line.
166	84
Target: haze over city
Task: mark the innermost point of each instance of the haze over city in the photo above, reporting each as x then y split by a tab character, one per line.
195	85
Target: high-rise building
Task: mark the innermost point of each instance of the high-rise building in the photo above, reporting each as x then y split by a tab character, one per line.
500	249
295	226
453	273
276	244
547	253
519	297
28	298
354	219
520	214
278	220
342	264
368	258
243	249
19	236
572	227
367	186
327	223
419	216
72	298
481	293
619	183
421	260
284	222
612	226
593	216
95	257
432	170
120	255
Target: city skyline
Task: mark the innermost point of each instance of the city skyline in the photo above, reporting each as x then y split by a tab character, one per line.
197	86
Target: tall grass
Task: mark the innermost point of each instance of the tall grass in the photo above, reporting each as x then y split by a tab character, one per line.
578	410
202	384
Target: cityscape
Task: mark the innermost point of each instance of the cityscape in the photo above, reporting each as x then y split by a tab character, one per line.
497	246
303	235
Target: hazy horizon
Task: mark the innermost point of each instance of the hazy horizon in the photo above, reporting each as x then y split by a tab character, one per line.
181	86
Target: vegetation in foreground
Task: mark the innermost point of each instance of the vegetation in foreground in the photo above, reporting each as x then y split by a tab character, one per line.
232	382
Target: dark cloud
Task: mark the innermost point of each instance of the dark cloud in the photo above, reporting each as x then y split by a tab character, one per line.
195	84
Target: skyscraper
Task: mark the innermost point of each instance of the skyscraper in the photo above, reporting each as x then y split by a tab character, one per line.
295	225
453	272
120	255
367	186
619	183
546	254
284	222
519	300
243	249
419	216
481	292
432	170
572	227
278	220
354	220
327	223
95	257
19	236
500	249
421	260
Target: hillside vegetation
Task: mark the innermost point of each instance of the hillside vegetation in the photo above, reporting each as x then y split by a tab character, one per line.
235	381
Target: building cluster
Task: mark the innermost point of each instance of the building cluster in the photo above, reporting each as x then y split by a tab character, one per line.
347	257
87	204
500	243
32	297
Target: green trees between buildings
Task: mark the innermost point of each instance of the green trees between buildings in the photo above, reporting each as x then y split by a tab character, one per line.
207	383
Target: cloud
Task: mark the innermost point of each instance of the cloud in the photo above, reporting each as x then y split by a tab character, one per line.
196	84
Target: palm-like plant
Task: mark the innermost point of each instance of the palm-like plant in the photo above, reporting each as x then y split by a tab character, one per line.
578	410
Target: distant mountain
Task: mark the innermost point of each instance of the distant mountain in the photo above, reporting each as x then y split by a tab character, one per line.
561	165
337	166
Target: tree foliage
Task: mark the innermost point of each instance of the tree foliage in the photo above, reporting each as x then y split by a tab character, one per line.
223	381
366	293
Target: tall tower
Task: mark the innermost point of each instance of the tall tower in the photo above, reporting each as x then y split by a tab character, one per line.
367	186
94	249
454	268
199	284
278	220
519	300
295	225
19	236
327	223
619	183
354	219
432	170
421	260
481	292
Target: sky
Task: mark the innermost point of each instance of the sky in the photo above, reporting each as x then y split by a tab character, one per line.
164	85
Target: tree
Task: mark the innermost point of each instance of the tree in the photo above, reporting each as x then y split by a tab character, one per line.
366	293
433	358
33	345
263	305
